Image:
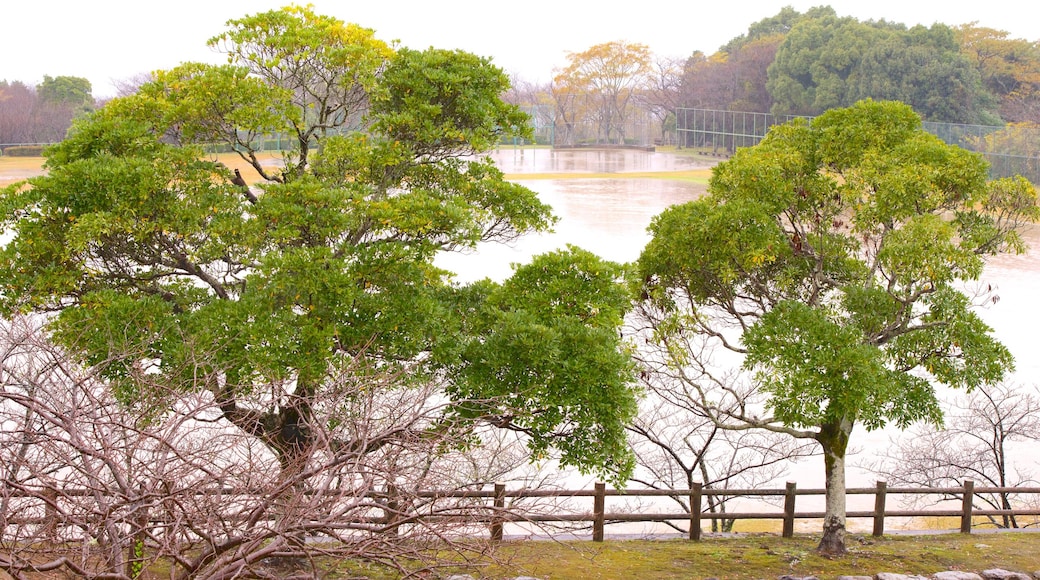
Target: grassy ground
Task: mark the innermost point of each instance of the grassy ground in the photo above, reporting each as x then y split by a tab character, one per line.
742	557
17	168
770	557
748	557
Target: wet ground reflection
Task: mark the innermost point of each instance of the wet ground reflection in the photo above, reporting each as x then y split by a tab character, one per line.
536	160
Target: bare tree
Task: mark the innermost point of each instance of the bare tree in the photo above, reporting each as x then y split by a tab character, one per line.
974	444
129	85
677	448
662	93
101	488
17	104
680	438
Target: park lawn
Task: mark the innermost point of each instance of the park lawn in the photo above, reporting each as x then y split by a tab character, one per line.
17	168
14	169
747	557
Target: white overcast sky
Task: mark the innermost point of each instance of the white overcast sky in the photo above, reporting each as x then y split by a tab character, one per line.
106	40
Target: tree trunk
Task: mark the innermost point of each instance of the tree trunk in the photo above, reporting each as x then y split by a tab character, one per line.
285	430
834	439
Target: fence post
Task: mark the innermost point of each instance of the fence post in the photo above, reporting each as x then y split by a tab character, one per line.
966	506
695	510
50	512
879	509
789	495
598	502
496	518
392	511
139	520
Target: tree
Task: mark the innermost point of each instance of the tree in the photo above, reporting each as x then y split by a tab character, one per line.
141	248
1009	69
609	75
677	448
65	90
826	62
814	63
975	443
27	116
924	68
663	91
827	261
732	81
17	104
778	25
568	111
128	488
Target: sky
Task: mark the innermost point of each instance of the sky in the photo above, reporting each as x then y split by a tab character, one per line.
111	40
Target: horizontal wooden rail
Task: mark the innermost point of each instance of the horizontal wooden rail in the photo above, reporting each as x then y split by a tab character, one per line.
497	514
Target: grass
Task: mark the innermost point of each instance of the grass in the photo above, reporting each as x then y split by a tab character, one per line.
755	556
14	169
747	557
17	168
742	557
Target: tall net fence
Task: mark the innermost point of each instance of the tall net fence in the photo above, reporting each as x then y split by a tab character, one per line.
1010	150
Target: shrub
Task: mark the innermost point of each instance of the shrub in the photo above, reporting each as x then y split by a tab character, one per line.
24	151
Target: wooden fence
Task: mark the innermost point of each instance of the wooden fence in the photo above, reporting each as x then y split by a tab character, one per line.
599	517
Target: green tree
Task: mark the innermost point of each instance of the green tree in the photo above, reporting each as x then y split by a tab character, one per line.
924	68
64	90
778	25
144	249
827	62
830	260
815	62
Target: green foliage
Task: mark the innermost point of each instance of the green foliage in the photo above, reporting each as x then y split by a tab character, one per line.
828	62
839	247
550	334
439	100
23	151
831	258
925	69
780	24
170	277
65	90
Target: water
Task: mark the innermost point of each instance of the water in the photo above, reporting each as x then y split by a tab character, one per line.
610	216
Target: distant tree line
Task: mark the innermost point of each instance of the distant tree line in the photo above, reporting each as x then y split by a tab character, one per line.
806	63
44	112
793	63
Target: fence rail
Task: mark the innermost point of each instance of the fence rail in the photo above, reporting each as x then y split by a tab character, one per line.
498	515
